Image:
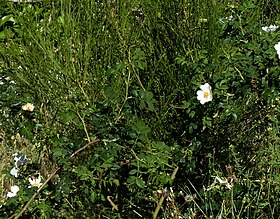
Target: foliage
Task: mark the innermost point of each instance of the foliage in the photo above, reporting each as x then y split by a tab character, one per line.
114	88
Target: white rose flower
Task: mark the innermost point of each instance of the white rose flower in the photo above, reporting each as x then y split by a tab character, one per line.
28	107
13	192
205	94
36	182
270	28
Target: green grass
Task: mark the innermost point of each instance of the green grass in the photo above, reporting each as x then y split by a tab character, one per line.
126	73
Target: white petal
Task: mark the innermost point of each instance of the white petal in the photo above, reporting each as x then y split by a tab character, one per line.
15	154
202	101
210	97
200	94
277	47
14	172
270	28
205	87
265	29
31	181
10	194
28	107
38	180
14	189
230	18
16	159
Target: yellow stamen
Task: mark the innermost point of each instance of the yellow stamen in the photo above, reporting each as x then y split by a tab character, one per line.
206	94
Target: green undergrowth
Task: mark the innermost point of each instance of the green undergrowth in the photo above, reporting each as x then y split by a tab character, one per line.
117	130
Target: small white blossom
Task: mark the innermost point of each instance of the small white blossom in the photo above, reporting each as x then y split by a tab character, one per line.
28	107
270	28
14	172
277	47
225	19
205	94
229	18
220	181
189	198
36	182
13	192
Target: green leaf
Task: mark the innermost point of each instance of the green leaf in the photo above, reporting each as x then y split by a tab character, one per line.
141	128
59	152
131	179
132	172
107	164
149	95
151	106
140	183
93	196
64	162
116	182
84	177
67	116
2	35
186	104
5	19
142	104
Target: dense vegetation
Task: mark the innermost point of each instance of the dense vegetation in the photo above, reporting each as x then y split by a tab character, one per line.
99	116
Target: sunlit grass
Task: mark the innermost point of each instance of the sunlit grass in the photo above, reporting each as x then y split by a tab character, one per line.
127	73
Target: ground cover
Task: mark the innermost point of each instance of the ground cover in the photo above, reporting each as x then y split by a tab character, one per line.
139	109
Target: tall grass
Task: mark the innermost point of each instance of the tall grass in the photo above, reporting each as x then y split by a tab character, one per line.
127	72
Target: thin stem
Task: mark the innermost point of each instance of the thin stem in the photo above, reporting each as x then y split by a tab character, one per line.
126	94
84	125
112	203
84	147
163	195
